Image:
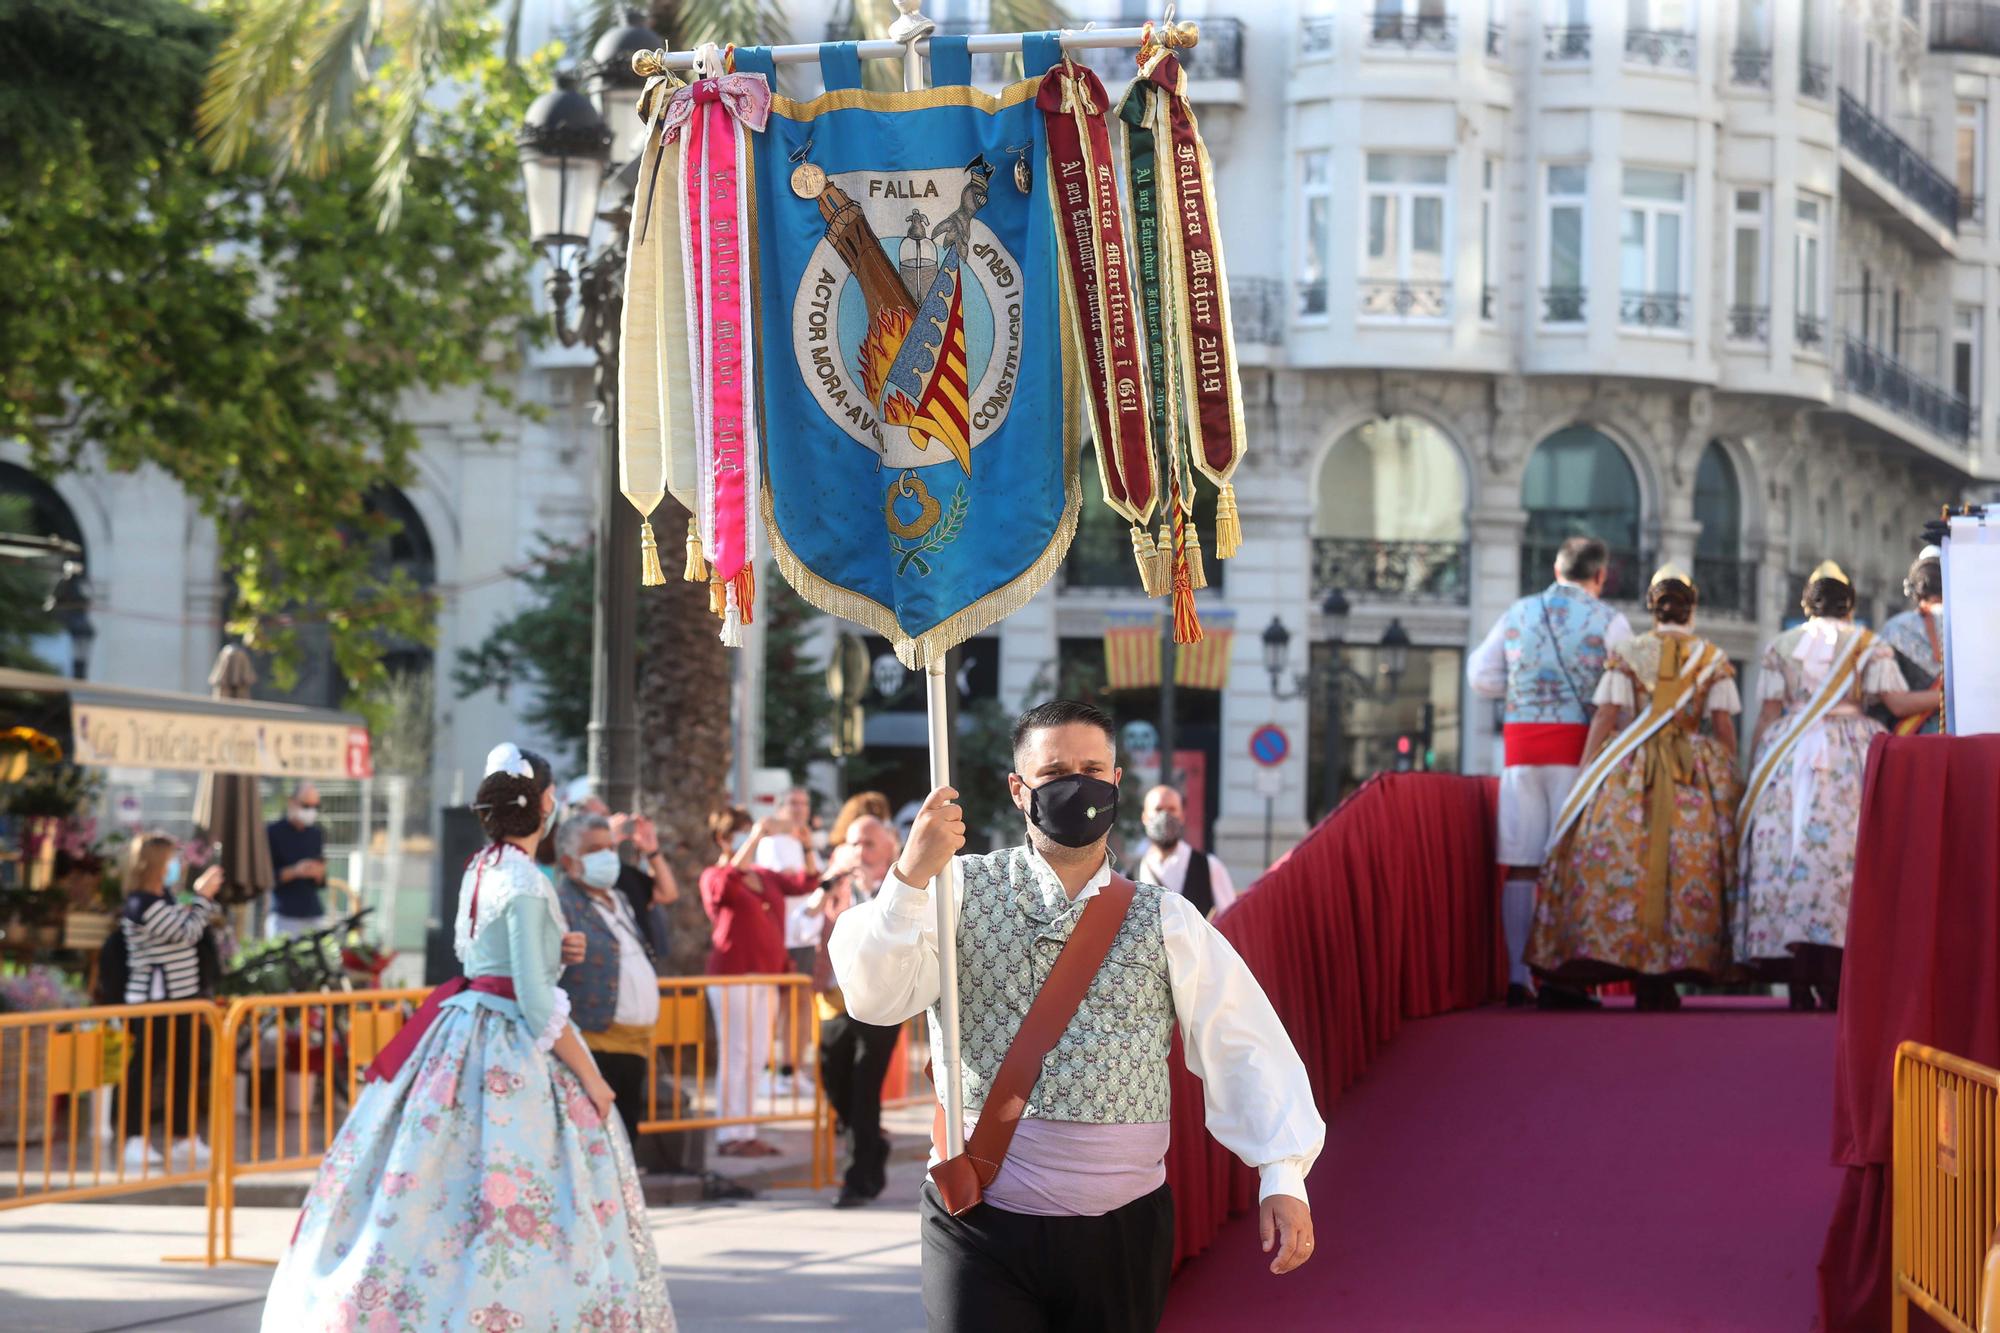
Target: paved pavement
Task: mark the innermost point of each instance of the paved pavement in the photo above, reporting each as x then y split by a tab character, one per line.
785	1259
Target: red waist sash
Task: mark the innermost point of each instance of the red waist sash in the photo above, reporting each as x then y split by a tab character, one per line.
1544	743
387	1064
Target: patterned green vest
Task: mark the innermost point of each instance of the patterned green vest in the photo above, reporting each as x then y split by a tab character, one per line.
1111	1065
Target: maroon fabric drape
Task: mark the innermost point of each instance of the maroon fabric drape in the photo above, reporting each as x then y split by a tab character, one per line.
1385	912
1923	964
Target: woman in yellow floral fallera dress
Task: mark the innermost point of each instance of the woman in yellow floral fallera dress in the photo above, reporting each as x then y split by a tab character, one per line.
1644	851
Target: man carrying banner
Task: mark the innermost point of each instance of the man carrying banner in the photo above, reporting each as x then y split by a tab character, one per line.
1544	658
1057	1215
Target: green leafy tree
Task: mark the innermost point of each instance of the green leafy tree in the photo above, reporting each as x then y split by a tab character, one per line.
544	649
24	590
257	339
798	714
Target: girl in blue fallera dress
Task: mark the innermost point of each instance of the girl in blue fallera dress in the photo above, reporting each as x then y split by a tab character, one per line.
481	1182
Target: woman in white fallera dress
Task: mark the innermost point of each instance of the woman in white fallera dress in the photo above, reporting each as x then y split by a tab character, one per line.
481	1181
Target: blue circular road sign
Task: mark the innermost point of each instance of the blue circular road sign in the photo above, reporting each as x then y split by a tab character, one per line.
1268	746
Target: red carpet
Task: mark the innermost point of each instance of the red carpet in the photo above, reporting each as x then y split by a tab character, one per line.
1507	1171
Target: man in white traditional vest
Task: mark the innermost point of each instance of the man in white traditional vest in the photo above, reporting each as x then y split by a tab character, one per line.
1544	657
1058	1217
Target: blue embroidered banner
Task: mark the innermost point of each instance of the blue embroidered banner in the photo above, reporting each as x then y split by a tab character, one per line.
921	443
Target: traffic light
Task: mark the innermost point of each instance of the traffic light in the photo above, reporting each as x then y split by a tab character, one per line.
1406	747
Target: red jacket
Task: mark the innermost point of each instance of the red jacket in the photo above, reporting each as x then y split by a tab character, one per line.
746	909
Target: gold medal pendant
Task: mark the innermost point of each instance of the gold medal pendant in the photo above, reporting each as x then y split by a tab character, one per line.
1024	179
808	180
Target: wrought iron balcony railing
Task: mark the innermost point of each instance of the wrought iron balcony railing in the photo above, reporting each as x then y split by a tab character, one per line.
1316	36
1406	570
1809	333
1969	27
1815	80
1312	299
1653	310
1562	305
1218	56
1870	138
1880	378
1749	324
1390	299
1625	579
1564	44
1750	69
1972	208
1727	585
1496	42
1414	32
1257	310
1660	49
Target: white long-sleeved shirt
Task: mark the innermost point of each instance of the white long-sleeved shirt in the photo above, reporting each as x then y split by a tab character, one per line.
1258	1099
1169	870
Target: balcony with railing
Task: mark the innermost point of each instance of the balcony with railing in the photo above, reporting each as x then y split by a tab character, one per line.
1664	312
1624	579
1433	34
1815	80
1873	374
1748	324
1257	310
1390	298
1969	28
1562	305
1564	44
1809	334
1660	49
1749	68
1728	586
1409	571
1496	42
1218	56
1897	164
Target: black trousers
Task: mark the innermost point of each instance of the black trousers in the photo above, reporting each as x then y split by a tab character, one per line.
163	1049
627	1076
853	1060
998	1272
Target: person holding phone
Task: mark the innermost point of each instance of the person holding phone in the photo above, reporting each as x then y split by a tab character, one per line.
298	855
163	962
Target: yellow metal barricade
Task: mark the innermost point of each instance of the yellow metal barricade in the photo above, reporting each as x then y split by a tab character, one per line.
291	1073
1946	1186
76	1084
721	1042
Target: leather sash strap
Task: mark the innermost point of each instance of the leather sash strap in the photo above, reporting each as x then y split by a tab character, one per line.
389	1062
961	1181
1097	296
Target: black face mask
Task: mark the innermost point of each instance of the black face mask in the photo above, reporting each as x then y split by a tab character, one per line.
1075	810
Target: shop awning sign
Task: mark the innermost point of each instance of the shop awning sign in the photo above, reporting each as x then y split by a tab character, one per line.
111	735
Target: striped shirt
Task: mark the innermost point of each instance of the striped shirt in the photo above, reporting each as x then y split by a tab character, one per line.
162	940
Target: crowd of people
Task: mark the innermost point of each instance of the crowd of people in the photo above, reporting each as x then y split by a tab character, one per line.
1637	848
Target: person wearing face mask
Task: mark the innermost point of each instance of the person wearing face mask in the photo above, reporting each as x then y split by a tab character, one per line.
1176	866
298	854
163	962
1068	1224
614	994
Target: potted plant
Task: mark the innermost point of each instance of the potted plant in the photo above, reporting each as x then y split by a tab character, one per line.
25	990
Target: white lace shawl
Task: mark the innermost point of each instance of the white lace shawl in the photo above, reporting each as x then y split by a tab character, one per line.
502	873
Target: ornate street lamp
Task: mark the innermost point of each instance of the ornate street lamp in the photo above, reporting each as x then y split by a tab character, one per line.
1340	680
571	145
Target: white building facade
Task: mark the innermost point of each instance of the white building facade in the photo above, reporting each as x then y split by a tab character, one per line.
1710	279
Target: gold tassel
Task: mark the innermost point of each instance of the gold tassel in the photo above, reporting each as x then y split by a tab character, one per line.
718	597
746	592
1148	558
1187	624
650	573
1228	527
1197	571
697	567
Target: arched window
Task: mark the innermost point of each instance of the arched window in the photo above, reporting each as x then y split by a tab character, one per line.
1579	484
44	513
1389	518
31	507
1725	578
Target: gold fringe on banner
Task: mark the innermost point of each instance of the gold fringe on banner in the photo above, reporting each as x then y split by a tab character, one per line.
650	573
1148	557
1228	527
1187	624
718	597
696	570
1197	572
746	593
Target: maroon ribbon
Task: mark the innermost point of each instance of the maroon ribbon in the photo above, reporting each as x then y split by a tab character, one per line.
390	1062
1084	189
1211	376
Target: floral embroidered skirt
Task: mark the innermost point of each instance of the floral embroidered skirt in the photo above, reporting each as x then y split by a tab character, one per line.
476	1190
1587	910
1800	851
